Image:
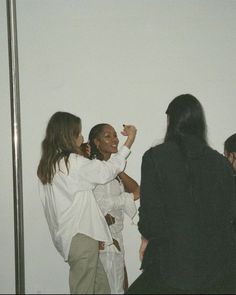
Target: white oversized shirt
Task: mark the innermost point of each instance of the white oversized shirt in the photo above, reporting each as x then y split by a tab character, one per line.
69	203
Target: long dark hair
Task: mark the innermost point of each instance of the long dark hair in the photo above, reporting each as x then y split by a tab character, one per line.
186	122
60	141
185	118
94	133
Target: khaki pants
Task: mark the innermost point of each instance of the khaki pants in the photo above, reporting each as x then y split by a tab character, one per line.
87	275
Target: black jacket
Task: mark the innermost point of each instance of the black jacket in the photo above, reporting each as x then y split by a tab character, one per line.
187	209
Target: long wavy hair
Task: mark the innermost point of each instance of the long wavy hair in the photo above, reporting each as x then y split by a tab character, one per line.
60	141
94	133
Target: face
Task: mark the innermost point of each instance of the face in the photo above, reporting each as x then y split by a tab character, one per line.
79	140
232	158
107	142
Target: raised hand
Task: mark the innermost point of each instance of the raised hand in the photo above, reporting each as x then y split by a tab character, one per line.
129	131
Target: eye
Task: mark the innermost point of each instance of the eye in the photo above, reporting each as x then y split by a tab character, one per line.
107	135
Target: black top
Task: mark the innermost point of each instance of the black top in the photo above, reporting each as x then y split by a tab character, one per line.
187	208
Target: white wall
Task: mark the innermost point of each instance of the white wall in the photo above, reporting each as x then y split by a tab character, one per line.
107	61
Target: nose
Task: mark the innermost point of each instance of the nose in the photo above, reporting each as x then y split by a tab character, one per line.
116	140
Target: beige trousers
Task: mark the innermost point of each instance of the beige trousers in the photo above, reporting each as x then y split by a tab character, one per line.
87	275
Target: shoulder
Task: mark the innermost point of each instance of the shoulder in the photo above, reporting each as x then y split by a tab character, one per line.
217	161
216	156
162	149
76	160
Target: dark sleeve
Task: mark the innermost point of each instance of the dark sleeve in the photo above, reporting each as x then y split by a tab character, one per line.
150	210
229	186
234	203
232	192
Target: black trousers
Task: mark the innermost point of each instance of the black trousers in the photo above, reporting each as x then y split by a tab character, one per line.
150	282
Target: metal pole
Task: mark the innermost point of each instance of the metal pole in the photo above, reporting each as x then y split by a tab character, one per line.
16	147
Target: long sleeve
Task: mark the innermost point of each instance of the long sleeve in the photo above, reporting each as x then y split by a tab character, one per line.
107	202
100	172
150	210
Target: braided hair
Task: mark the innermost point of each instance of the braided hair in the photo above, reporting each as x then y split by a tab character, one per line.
94	133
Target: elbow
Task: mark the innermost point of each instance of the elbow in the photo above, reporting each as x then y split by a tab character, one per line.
136	193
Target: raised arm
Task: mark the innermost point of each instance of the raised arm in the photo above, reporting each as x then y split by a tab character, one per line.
129	131
100	172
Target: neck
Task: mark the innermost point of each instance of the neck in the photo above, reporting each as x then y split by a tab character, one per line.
106	156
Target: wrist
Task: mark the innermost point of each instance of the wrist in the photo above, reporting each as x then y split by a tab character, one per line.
129	142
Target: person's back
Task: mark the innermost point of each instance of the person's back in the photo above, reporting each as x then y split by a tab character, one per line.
187	209
190	223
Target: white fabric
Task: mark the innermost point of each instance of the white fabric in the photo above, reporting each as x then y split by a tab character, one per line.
112	199
69	203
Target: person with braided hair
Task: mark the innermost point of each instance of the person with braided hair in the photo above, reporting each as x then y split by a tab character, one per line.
66	183
115	198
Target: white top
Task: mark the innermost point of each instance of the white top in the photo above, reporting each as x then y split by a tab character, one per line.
113	199
69	203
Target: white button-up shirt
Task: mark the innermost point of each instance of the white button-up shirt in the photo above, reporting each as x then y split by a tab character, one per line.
69	203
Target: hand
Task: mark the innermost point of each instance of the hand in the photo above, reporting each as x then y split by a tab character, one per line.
110	219
116	244
86	149
101	245
129	131
142	248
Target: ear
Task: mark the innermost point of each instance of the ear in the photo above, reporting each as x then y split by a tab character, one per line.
230	157
226	154
234	161
97	143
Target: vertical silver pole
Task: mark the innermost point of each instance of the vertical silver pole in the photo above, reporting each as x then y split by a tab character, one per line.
16	147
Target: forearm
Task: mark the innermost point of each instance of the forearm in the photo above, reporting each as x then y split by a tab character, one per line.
129	183
142	248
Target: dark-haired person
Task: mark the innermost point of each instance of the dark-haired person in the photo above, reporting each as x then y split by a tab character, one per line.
67	180
115	198
230	152
187	209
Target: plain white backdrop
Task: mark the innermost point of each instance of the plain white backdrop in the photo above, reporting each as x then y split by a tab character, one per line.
106	61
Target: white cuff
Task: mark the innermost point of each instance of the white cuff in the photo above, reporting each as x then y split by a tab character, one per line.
124	151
